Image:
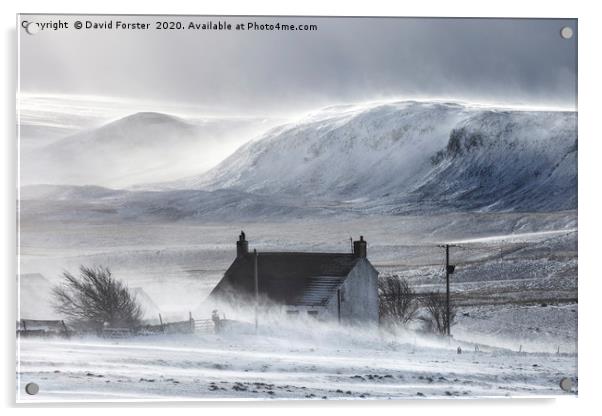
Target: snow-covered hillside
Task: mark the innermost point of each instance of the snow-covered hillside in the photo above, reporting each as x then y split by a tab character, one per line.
507	160
403	156
142	147
394	158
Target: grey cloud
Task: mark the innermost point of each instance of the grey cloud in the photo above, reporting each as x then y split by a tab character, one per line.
347	59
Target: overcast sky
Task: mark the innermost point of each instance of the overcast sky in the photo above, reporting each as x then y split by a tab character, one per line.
345	60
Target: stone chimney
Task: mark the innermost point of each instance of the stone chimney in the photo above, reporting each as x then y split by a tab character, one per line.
242	245
360	248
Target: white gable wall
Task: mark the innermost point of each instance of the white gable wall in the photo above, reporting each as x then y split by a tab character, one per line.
359	296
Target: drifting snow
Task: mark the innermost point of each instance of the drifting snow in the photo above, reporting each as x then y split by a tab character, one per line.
300	360
140	148
309	186
396	158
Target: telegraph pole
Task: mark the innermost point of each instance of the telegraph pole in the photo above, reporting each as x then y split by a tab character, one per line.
256	289
449	269
447	288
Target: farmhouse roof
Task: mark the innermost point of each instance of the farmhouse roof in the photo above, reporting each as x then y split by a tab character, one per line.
290	278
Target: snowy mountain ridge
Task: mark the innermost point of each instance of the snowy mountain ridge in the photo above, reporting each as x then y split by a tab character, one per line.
393	158
402	155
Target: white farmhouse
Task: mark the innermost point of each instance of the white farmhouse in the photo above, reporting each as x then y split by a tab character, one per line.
339	287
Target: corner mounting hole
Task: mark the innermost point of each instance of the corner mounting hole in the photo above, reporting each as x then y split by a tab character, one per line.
32	28
566	384
32	388
566	32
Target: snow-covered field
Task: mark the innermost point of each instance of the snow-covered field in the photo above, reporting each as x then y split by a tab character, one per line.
324	364
516	293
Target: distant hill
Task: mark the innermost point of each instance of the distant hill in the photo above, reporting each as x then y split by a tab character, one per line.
395	158
140	148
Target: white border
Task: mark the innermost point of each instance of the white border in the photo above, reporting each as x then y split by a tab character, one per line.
589	164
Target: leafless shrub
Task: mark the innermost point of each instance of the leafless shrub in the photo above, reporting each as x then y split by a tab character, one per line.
94	298
435	306
397	301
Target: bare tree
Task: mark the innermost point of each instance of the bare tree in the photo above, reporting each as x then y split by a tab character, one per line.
436	308
397	301
94	297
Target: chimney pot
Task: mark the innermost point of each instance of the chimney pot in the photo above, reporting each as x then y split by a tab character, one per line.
360	248
242	245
